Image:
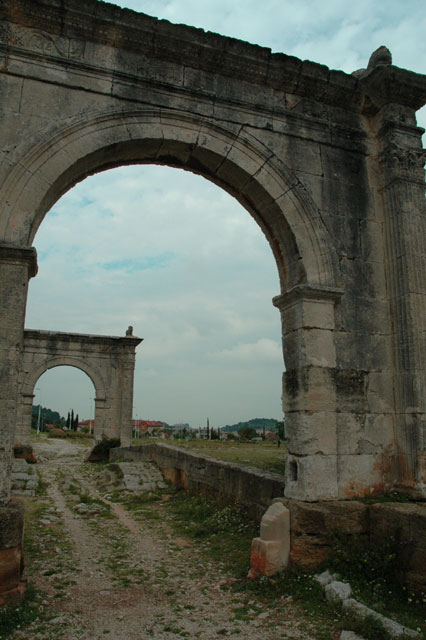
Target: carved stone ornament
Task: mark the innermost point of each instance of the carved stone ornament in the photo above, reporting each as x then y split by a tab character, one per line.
43	43
395	158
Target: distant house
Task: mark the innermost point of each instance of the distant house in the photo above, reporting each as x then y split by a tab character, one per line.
146	428
86	425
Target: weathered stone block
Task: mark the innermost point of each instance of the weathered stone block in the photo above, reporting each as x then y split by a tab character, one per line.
311	477
361	475
311	432
266	558
309	347
312	387
320	519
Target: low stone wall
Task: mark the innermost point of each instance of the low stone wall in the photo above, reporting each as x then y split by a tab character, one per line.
312	523
230	482
12	586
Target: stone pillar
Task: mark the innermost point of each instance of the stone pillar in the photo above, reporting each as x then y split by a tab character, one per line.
309	391
24	418
99	429
127	371
17	266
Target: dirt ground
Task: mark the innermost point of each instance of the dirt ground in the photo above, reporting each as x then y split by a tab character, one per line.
113	573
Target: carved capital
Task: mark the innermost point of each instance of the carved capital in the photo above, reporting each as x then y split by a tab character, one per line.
20	256
403	162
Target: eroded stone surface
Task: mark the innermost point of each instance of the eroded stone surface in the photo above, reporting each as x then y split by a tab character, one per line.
270	552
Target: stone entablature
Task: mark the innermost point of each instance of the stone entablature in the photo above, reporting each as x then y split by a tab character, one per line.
109	361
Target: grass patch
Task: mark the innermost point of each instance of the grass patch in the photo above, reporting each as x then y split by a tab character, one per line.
260	455
225	531
13	618
373	570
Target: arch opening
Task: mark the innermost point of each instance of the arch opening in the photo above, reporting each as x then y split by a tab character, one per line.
195	276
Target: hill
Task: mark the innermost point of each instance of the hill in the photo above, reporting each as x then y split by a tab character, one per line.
255	423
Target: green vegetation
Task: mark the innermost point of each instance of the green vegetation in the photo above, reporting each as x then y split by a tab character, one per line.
215	525
15	617
255	423
260	455
47	416
100	451
373	570
76	436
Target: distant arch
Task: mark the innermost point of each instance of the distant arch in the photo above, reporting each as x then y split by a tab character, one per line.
108	361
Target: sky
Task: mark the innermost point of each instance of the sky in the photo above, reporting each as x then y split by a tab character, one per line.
175	256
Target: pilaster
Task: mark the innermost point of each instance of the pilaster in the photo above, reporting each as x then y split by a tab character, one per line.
17	266
397	168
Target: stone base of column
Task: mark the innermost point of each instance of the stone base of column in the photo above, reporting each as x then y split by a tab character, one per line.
12	582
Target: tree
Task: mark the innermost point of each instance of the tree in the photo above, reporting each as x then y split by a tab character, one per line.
247	433
281	429
68	420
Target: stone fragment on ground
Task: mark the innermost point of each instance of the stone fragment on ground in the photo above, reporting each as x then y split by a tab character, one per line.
336	592
325	577
349	635
270	552
394	629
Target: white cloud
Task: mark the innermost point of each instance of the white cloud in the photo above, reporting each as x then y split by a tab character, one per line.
263	351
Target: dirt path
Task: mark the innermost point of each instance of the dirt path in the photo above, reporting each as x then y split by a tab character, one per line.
110	573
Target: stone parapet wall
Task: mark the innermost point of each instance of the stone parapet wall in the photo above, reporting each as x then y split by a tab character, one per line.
312	524
254	489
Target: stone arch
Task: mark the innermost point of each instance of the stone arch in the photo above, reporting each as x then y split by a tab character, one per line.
232	158
108	362
235	159
24	417
35	374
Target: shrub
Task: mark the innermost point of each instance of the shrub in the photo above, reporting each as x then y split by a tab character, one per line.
100	451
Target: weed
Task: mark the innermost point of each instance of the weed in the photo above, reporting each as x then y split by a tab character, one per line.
16	617
373	570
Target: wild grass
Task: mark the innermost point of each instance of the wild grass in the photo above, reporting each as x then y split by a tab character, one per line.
260	455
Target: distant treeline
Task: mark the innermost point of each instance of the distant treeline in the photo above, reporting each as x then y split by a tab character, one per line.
254	423
47	416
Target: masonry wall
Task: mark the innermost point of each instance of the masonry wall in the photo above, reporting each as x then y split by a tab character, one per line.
226	481
312	525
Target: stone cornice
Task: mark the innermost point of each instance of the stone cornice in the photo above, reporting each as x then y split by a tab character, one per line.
20	255
35	334
66	28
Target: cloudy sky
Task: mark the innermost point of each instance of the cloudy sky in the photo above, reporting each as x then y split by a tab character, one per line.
179	259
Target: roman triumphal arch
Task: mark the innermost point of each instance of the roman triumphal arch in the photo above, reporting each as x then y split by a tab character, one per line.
109	362
330	165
